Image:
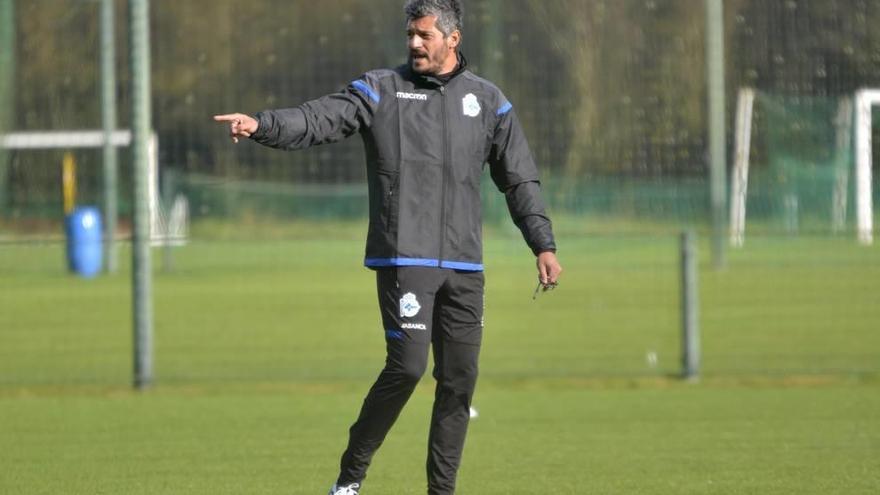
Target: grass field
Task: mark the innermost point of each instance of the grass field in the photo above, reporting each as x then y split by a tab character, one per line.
264	351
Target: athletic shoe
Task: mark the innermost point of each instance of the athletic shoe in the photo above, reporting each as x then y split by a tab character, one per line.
351	489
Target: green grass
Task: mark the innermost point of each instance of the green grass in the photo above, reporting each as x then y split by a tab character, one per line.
305	309
568	438
264	350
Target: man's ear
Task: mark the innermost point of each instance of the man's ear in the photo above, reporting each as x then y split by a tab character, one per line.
454	39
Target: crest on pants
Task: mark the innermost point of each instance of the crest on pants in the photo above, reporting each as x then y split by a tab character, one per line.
409	305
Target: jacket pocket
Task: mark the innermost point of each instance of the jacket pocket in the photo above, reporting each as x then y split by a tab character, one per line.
389	184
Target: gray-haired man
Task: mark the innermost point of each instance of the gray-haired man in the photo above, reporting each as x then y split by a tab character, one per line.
428	128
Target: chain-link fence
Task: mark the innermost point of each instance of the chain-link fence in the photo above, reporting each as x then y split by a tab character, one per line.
612	95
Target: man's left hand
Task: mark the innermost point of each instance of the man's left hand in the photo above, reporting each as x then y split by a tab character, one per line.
548	268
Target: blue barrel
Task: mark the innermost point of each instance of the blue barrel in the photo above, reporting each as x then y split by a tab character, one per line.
84	246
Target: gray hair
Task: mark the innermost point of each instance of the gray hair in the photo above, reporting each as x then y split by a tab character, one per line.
448	13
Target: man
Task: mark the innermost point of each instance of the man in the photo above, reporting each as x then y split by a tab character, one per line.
428	128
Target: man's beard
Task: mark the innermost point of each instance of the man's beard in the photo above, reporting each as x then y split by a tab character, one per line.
432	67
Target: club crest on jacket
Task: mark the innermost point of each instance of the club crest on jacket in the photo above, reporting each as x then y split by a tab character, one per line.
470	105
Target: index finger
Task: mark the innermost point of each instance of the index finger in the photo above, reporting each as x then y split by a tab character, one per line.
229	117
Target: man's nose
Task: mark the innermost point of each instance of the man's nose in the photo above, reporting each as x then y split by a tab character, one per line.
415	42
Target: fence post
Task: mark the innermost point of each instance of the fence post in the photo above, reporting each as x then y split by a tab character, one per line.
7	90
108	119
717	126
142	283
689	308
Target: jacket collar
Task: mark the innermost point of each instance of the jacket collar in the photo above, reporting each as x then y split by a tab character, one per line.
433	81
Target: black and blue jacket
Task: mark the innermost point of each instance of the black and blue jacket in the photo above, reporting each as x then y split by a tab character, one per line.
427	141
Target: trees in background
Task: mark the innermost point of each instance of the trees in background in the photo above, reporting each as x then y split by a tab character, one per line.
603	86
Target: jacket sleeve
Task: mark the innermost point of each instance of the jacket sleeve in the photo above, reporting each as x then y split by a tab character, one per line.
325	120
514	172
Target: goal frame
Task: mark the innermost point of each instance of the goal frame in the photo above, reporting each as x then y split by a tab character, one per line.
866	99
859	112
88	139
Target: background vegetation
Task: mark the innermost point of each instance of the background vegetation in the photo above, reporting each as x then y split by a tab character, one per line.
603	86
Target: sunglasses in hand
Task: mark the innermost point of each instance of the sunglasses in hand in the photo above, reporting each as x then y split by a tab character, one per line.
542	287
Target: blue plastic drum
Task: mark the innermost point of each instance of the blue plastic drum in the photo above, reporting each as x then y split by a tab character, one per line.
84	246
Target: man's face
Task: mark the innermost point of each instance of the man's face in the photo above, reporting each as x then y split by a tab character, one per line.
430	52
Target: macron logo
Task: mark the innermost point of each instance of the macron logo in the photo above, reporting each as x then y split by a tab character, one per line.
411	96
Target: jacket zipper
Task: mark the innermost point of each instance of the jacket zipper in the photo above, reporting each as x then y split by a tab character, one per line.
443	170
390	211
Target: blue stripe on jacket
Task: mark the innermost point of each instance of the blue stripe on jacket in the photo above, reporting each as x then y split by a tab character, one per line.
433	263
365	88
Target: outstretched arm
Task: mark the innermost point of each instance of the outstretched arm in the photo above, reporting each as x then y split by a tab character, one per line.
324	120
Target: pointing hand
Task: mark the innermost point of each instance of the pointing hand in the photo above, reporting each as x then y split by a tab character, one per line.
240	125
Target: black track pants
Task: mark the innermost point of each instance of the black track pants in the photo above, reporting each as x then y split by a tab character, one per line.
422	308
